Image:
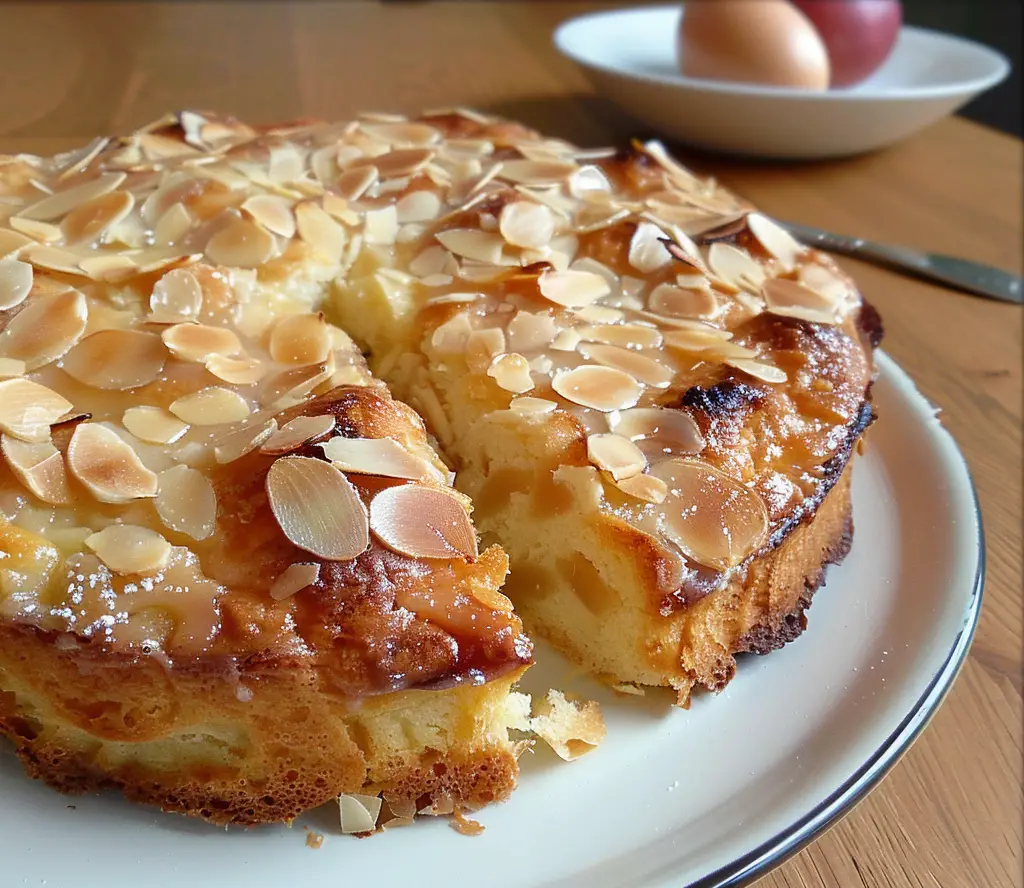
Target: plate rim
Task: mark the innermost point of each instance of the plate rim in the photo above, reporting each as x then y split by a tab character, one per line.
771	854
1001	68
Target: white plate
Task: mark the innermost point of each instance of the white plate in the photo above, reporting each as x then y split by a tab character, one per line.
630	55
711	797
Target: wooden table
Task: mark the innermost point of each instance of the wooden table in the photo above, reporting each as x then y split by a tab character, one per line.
950	814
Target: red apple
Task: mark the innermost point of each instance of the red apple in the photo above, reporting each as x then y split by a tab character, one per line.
859	34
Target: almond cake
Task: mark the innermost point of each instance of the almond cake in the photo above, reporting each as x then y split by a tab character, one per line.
236	579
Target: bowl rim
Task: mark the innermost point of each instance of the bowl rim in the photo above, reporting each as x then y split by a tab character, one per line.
999	62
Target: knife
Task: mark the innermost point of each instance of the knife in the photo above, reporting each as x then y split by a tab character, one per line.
961	274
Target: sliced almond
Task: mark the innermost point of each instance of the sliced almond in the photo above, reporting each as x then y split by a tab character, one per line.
524	223
173	225
42	232
317	508
15	283
663	430
422	522
693	340
714	519
153	425
198	342
644	487
758	369
482	346
108	466
53	258
272	212
532	407
512	373
736	267
298	433
241	243
116	359
792	299
531	331
291	387
617	456
210	406
87	223
381	225
537	172
301	340
641	367
11	367
375	456
622	335
112	267
572	288
320	231
186	502
587	180
567	340
358	813
61	203
177	296
470	243
778	242
353	184
129	549
647	252
237	371
40	467
601	388
677	302
28	409
293	579
11	243
241	441
418	206
45	329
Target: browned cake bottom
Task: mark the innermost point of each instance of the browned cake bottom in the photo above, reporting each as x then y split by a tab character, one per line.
197	743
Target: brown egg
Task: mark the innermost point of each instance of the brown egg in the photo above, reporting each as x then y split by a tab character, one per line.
767	42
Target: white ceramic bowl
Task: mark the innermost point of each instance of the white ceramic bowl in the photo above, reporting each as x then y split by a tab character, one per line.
630	56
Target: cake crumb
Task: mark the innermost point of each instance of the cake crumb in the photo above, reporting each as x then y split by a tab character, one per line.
314	839
571	728
464	825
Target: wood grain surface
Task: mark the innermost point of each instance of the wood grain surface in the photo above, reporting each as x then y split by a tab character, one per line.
950	814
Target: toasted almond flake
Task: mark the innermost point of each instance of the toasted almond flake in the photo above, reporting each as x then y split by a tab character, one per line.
532	407
524	223
736	267
531	331
644	487
320	231
177	296
452	298
617	456
45	329
570	728
197	342
537	172
482	346
452	336
567	340
623	335
28	409
714	519
677	302
693	340
381	225
163	259
11	243
107	465
272	212
483	246
298	433
210	406
602	388
641	367
587	180
599	314
42	232
15	283
778	242
39	466
173	225
241	243
512	373
402	162
153	425
301	340
61	203
758	369
286	164
241	441
88	222
795	300
422	522
666	431
317	508
53	258
647	253
112	267
293	579
291	387
730	351
129	549
828	284
353	184
573	289
418	206
375	456
237	371
186	502
11	367
358	813
116	359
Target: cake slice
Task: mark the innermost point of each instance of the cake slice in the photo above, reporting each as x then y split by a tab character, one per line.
235	580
